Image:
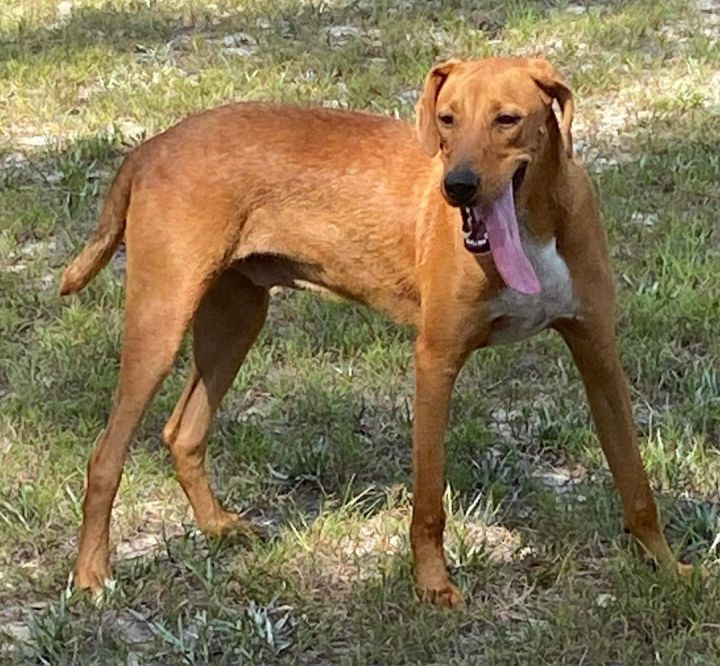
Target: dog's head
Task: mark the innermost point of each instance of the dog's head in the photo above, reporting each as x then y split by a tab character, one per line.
488	119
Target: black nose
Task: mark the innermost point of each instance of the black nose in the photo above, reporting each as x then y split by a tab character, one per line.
461	186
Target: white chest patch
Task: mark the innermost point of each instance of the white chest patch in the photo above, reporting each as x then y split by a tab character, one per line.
519	316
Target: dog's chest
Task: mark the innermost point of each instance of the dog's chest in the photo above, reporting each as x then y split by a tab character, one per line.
517	316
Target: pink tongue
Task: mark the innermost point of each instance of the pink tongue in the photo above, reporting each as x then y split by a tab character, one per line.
507	251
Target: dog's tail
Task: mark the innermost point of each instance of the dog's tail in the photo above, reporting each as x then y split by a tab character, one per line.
107	235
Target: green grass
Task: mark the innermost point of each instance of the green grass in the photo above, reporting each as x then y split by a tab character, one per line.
314	439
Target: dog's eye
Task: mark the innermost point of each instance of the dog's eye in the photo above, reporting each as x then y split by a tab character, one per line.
446	119
507	120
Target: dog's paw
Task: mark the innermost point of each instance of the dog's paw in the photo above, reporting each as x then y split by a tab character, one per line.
445	596
95	580
229	524
688	570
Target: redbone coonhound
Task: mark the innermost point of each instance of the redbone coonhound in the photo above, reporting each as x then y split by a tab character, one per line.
477	229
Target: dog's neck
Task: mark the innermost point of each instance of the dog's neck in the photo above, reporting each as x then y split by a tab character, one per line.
544	200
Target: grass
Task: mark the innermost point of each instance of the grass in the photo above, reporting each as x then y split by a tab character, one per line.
314	439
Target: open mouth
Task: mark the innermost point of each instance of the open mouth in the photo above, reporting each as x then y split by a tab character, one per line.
474	220
474	231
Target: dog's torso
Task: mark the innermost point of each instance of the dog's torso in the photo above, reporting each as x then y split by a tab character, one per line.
298	207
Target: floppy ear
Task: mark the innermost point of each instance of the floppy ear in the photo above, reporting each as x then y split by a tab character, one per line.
425	122
554	87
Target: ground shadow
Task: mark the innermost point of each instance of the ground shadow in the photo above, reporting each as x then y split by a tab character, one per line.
153	26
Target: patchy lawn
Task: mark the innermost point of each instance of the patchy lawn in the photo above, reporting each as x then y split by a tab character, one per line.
314	440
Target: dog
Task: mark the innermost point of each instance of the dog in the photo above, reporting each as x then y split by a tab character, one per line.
476	228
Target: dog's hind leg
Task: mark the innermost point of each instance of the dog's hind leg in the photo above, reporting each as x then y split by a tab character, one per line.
228	321
157	313
168	272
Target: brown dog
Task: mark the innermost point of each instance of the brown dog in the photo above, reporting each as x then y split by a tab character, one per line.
230	202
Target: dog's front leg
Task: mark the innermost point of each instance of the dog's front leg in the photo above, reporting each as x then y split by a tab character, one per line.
593	346
436	368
